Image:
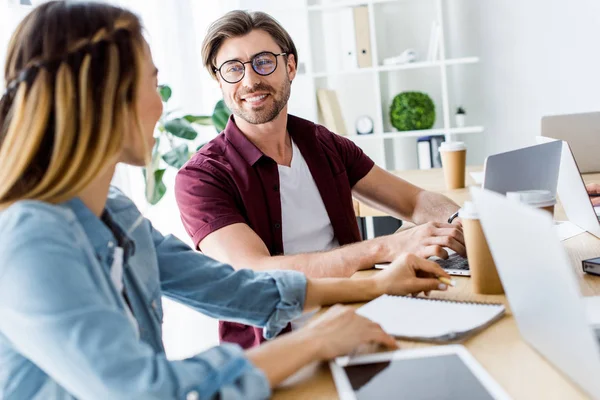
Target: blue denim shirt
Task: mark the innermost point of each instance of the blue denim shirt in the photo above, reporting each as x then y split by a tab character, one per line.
64	330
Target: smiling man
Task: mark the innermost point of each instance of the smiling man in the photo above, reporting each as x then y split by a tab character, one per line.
274	191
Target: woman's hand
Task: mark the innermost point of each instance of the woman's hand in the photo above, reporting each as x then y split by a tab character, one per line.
340	330
409	274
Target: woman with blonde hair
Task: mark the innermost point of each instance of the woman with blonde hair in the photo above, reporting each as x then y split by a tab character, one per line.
82	272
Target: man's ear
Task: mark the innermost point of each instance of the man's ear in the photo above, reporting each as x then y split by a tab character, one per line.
291	66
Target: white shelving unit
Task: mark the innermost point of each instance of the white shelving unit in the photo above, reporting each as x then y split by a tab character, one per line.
395	25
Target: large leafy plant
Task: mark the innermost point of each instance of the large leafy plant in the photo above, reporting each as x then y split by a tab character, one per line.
174	136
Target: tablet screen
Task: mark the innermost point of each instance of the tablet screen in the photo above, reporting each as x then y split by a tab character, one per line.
437	377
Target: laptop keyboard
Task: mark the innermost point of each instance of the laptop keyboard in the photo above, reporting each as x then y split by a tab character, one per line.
454	261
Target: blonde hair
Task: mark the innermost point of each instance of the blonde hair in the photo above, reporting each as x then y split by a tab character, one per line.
240	23
72	71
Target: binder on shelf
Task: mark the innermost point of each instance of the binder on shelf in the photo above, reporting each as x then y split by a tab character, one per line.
435	37
428	152
348	39
330	113
363	36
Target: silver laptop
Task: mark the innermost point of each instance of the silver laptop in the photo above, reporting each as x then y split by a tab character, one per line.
541	287
571	191
582	132
534	167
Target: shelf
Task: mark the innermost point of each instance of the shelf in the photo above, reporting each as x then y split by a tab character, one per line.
388	68
347	3
419	133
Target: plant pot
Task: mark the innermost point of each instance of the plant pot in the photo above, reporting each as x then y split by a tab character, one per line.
460	120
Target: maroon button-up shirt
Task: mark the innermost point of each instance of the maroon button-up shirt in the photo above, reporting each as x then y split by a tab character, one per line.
231	181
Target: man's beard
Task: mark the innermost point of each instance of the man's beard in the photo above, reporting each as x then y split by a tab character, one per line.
268	112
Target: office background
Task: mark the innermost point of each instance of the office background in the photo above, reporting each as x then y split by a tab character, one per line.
536	58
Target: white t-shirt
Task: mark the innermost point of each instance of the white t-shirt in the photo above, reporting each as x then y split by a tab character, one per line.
305	224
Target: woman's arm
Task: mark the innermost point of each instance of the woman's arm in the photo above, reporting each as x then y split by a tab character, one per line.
55	313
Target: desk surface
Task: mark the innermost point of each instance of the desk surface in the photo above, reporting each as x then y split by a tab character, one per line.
521	371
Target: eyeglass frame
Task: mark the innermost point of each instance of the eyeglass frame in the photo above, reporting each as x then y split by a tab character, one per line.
251	63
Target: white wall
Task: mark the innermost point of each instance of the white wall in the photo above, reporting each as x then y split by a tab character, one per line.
538	57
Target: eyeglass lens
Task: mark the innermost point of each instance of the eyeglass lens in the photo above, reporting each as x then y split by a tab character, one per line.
262	64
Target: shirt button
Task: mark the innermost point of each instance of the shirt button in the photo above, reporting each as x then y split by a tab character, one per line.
193	395
276	188
154	304
277	225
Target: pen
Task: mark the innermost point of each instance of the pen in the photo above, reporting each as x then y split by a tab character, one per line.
449	282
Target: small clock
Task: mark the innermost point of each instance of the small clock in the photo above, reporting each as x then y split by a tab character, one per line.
364	125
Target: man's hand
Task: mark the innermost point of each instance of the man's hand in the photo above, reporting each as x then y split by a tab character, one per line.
425	241
410	274
594	189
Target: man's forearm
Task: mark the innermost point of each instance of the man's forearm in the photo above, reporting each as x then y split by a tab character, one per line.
431	206
340	262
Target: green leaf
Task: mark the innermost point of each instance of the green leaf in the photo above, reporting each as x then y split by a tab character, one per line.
155	187
165	92
199	119
177	156
181	128
220	116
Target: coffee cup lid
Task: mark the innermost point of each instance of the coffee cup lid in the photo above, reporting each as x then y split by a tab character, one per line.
452	146
468	211
535	198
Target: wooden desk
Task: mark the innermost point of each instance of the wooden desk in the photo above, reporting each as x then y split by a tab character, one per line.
428	179
521	371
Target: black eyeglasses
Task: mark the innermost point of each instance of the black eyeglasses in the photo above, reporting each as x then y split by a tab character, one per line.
264	64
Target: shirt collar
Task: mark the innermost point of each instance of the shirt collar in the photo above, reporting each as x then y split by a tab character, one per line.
301	132
245	147
104	234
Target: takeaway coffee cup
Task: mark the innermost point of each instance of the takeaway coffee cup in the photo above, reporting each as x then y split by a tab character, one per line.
484	276
454	157
542	199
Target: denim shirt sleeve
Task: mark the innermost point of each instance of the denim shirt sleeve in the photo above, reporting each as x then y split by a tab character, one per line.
53	312
268	299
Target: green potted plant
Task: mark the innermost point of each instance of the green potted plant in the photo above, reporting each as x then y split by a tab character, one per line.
411	111
174	135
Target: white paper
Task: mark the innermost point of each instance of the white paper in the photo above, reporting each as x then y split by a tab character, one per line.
592	310
425	318
567	230
477	177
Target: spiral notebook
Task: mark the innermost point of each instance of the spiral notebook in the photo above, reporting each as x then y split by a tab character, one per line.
430	320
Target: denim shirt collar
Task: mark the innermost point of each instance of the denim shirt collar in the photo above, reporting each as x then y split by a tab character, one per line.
104	233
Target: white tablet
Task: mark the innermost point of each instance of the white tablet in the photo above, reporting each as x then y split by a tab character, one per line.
440	372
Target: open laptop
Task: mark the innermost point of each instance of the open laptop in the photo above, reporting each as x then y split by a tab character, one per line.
533	167
541	287
582	132
571	191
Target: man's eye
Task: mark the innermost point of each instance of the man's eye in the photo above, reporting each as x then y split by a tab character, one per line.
234	68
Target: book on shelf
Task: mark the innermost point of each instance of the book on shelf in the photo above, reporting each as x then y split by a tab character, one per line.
363	36
330	113
428	151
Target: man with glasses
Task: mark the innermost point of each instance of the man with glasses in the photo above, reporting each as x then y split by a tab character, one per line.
274	191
